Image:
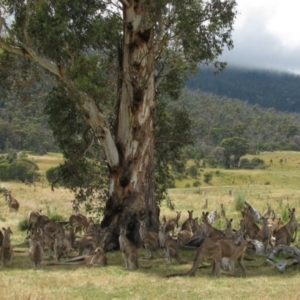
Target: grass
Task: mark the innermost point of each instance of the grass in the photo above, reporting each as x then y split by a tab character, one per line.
113	282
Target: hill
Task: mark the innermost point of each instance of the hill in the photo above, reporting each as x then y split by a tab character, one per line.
265	88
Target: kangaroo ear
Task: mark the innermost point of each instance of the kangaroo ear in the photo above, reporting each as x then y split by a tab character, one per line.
293	209
206	213
231	220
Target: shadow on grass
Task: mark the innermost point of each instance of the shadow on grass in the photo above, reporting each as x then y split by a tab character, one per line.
255	267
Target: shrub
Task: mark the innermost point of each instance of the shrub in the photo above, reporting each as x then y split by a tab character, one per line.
52	174
23	224
239	201
53	215
196	183
193	171
207	177
285	214
4	171
187	185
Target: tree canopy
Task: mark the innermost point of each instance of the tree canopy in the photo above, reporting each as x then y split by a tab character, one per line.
113	60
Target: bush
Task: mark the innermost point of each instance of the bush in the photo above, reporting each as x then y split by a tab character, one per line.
254	163
23	224
193	171
4	171
19	169
22	169
187	185
53	215
52	174
208	177
196	183
285	215
239	201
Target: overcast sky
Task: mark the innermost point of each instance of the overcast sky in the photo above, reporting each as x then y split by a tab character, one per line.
266	35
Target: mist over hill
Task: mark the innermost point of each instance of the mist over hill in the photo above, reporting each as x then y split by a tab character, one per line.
265	88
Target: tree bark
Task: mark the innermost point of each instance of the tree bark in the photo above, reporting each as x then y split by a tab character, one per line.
131	185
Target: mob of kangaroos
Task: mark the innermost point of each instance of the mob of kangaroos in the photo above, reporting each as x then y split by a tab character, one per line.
226	247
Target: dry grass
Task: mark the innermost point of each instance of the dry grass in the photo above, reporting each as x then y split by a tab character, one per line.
113	282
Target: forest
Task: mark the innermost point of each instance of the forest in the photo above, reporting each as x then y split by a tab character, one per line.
269	89
24	126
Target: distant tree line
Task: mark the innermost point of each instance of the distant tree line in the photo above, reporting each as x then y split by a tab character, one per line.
266	88
224	130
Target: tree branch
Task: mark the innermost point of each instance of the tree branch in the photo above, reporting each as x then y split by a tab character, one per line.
93	116
125	2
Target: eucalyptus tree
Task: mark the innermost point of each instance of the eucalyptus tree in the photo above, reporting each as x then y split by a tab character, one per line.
120	54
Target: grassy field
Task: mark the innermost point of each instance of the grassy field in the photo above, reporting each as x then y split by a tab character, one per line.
278	185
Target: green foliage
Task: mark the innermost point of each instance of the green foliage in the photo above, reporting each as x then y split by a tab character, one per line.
84	41
239	201
255	163
23	155
193	171
170	203
266	88
4	171
52	174
188	185
23	224
20	170
236	147
196	183
52	214
285	214
208	176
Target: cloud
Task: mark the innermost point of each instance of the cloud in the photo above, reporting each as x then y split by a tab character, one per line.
260	43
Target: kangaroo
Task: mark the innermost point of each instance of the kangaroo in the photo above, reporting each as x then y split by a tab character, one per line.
70	236
149	239
99	259
187	225
209	230
79	222
129	251
90	241
223	214
196	228
61	246
41	222
12	202
264	234
170	245
228	231
36	252
268	212
6	249
32	217
184	236
205	206
275	225
248	226
287	233
170	224
215	249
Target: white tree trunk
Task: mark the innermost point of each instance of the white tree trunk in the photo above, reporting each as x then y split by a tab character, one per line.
132	184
